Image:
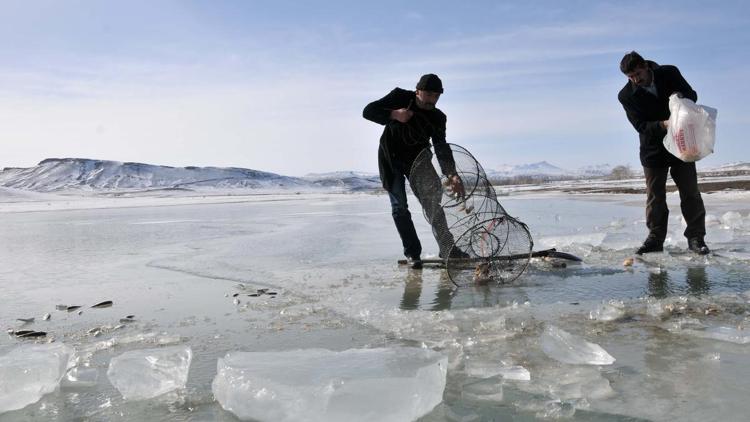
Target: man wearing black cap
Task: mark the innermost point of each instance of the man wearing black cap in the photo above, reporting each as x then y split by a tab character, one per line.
411	120
645	99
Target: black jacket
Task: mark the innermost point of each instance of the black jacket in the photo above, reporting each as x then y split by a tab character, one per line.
646	112
402	142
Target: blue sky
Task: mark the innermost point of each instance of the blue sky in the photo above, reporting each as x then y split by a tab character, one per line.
280	85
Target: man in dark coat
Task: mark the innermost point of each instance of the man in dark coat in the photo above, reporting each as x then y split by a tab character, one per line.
646	101
411	120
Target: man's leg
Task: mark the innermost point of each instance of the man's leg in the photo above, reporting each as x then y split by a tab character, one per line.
402	216
691	203
429	192
657	213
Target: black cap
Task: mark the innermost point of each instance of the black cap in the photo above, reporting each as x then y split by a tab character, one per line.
430	82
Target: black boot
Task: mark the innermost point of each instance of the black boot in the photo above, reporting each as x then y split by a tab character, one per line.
650	245
698	246
414	263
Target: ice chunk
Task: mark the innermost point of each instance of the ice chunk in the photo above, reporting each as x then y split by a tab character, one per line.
589	239
711	220
732	220
567	348
730	334
609	311
80	377
515	372
480	369
31	371
143	374
557	409
399	384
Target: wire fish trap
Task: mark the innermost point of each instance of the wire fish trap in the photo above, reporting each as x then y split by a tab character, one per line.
499	251
473	230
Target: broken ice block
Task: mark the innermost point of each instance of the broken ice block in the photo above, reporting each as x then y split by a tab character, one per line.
143	374
81	377
515	372
491	369
609	311
730	334
31	371
732	220
399	384
567	348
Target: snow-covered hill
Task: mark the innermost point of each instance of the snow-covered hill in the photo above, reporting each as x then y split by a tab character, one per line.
86	175
545	169
80	174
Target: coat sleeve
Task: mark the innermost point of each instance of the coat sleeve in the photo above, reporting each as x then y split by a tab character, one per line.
681	85
379	111
443	150
651	128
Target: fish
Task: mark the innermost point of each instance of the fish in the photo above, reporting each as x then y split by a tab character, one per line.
26	320
32	334
72	308
105	304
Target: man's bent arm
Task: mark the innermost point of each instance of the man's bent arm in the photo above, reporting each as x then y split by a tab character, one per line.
379	111
684	87
652	128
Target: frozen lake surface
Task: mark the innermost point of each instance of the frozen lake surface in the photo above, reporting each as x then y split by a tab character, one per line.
674	323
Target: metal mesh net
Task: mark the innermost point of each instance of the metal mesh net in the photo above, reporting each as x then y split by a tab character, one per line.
478	240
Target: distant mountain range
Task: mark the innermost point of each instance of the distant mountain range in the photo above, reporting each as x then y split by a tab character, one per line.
544	168
80	174
62	174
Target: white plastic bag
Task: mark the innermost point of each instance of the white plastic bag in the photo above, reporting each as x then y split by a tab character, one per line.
692	129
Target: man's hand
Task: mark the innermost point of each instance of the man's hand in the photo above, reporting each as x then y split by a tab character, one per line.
665	124
456	186
402	115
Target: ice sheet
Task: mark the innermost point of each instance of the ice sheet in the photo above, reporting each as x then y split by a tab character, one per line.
144	374
29	372
568	348
400	384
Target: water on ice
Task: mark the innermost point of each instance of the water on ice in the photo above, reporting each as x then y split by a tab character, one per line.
398	384
143	374
29	372
567	348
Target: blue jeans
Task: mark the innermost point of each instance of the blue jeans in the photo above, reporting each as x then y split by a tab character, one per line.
429	193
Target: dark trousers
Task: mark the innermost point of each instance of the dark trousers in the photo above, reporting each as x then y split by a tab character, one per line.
429	192
691	203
